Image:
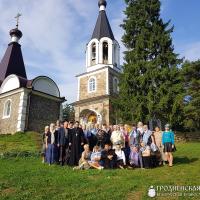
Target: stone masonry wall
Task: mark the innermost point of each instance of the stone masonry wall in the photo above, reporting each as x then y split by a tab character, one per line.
101	86
42	112
99	106
9	125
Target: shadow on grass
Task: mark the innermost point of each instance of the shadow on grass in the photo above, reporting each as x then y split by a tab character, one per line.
184	160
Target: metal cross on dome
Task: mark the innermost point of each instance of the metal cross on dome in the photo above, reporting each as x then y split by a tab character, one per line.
17	17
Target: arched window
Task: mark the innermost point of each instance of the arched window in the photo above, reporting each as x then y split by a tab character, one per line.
7	109
105	53
92	84
93	60
115	85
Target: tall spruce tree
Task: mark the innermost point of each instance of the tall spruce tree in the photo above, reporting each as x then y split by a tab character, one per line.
150	84
191	73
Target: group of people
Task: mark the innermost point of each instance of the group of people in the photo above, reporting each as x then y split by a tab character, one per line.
107	147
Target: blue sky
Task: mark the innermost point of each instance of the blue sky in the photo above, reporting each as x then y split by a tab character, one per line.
55	33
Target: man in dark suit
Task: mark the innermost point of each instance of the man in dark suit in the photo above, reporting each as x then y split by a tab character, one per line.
63	142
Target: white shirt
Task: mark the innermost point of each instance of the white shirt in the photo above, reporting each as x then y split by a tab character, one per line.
121	155
117	136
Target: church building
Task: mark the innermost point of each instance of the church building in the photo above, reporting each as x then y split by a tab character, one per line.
99	84
25	104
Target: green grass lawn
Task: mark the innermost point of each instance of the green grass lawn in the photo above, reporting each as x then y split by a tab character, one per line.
28	178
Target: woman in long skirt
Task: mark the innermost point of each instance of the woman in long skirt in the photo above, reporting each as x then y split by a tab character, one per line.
52	145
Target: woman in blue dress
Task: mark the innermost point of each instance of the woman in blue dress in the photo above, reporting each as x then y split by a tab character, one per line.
168	144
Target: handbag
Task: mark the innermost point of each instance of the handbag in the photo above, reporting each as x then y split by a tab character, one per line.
153	147
174	148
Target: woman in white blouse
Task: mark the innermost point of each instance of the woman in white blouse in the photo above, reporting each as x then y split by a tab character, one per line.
117	137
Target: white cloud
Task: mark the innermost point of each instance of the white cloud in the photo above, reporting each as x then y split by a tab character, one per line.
191	51
55	33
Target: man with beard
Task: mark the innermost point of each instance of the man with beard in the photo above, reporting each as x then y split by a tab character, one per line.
76	142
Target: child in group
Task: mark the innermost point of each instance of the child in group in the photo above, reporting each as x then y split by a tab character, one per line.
146	155
121	159
85	158
95	158
134	156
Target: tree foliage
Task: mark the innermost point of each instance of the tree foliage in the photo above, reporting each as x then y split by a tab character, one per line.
68	112
151	82
191	74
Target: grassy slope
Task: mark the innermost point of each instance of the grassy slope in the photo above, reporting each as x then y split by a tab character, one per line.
28	178
20	142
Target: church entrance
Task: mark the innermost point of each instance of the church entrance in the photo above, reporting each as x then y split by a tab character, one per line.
88	116
92	118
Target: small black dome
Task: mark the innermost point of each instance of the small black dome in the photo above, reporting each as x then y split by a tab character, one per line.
16	32
102	3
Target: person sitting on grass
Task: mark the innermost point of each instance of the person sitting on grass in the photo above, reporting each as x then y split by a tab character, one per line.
95	158
168	143
146	155
108	157
134	156
85	158
121	159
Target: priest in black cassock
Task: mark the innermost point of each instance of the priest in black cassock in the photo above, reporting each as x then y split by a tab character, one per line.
76	142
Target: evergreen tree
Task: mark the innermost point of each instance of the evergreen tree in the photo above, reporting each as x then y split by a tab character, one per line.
68	112
191	73
150	85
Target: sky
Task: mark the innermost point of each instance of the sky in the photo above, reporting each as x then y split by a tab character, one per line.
55	34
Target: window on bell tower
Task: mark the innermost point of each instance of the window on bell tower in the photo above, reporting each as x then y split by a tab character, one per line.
105	52
92	84
93	60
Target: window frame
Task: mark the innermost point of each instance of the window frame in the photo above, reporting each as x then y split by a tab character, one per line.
93	59
116	87
5	109
104	61
94	84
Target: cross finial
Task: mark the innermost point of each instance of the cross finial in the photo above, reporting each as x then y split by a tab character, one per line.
17	17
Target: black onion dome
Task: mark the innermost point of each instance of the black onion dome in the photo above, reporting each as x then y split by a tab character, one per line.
102	3
16	32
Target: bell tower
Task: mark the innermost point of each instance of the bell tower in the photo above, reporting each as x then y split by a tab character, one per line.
100	82
102	50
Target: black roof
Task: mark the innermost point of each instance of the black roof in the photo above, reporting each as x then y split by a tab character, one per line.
102	28
12	62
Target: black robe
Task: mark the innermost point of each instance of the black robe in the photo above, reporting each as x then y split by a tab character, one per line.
107	163
76	137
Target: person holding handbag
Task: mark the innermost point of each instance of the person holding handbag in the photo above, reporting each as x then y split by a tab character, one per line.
168	144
